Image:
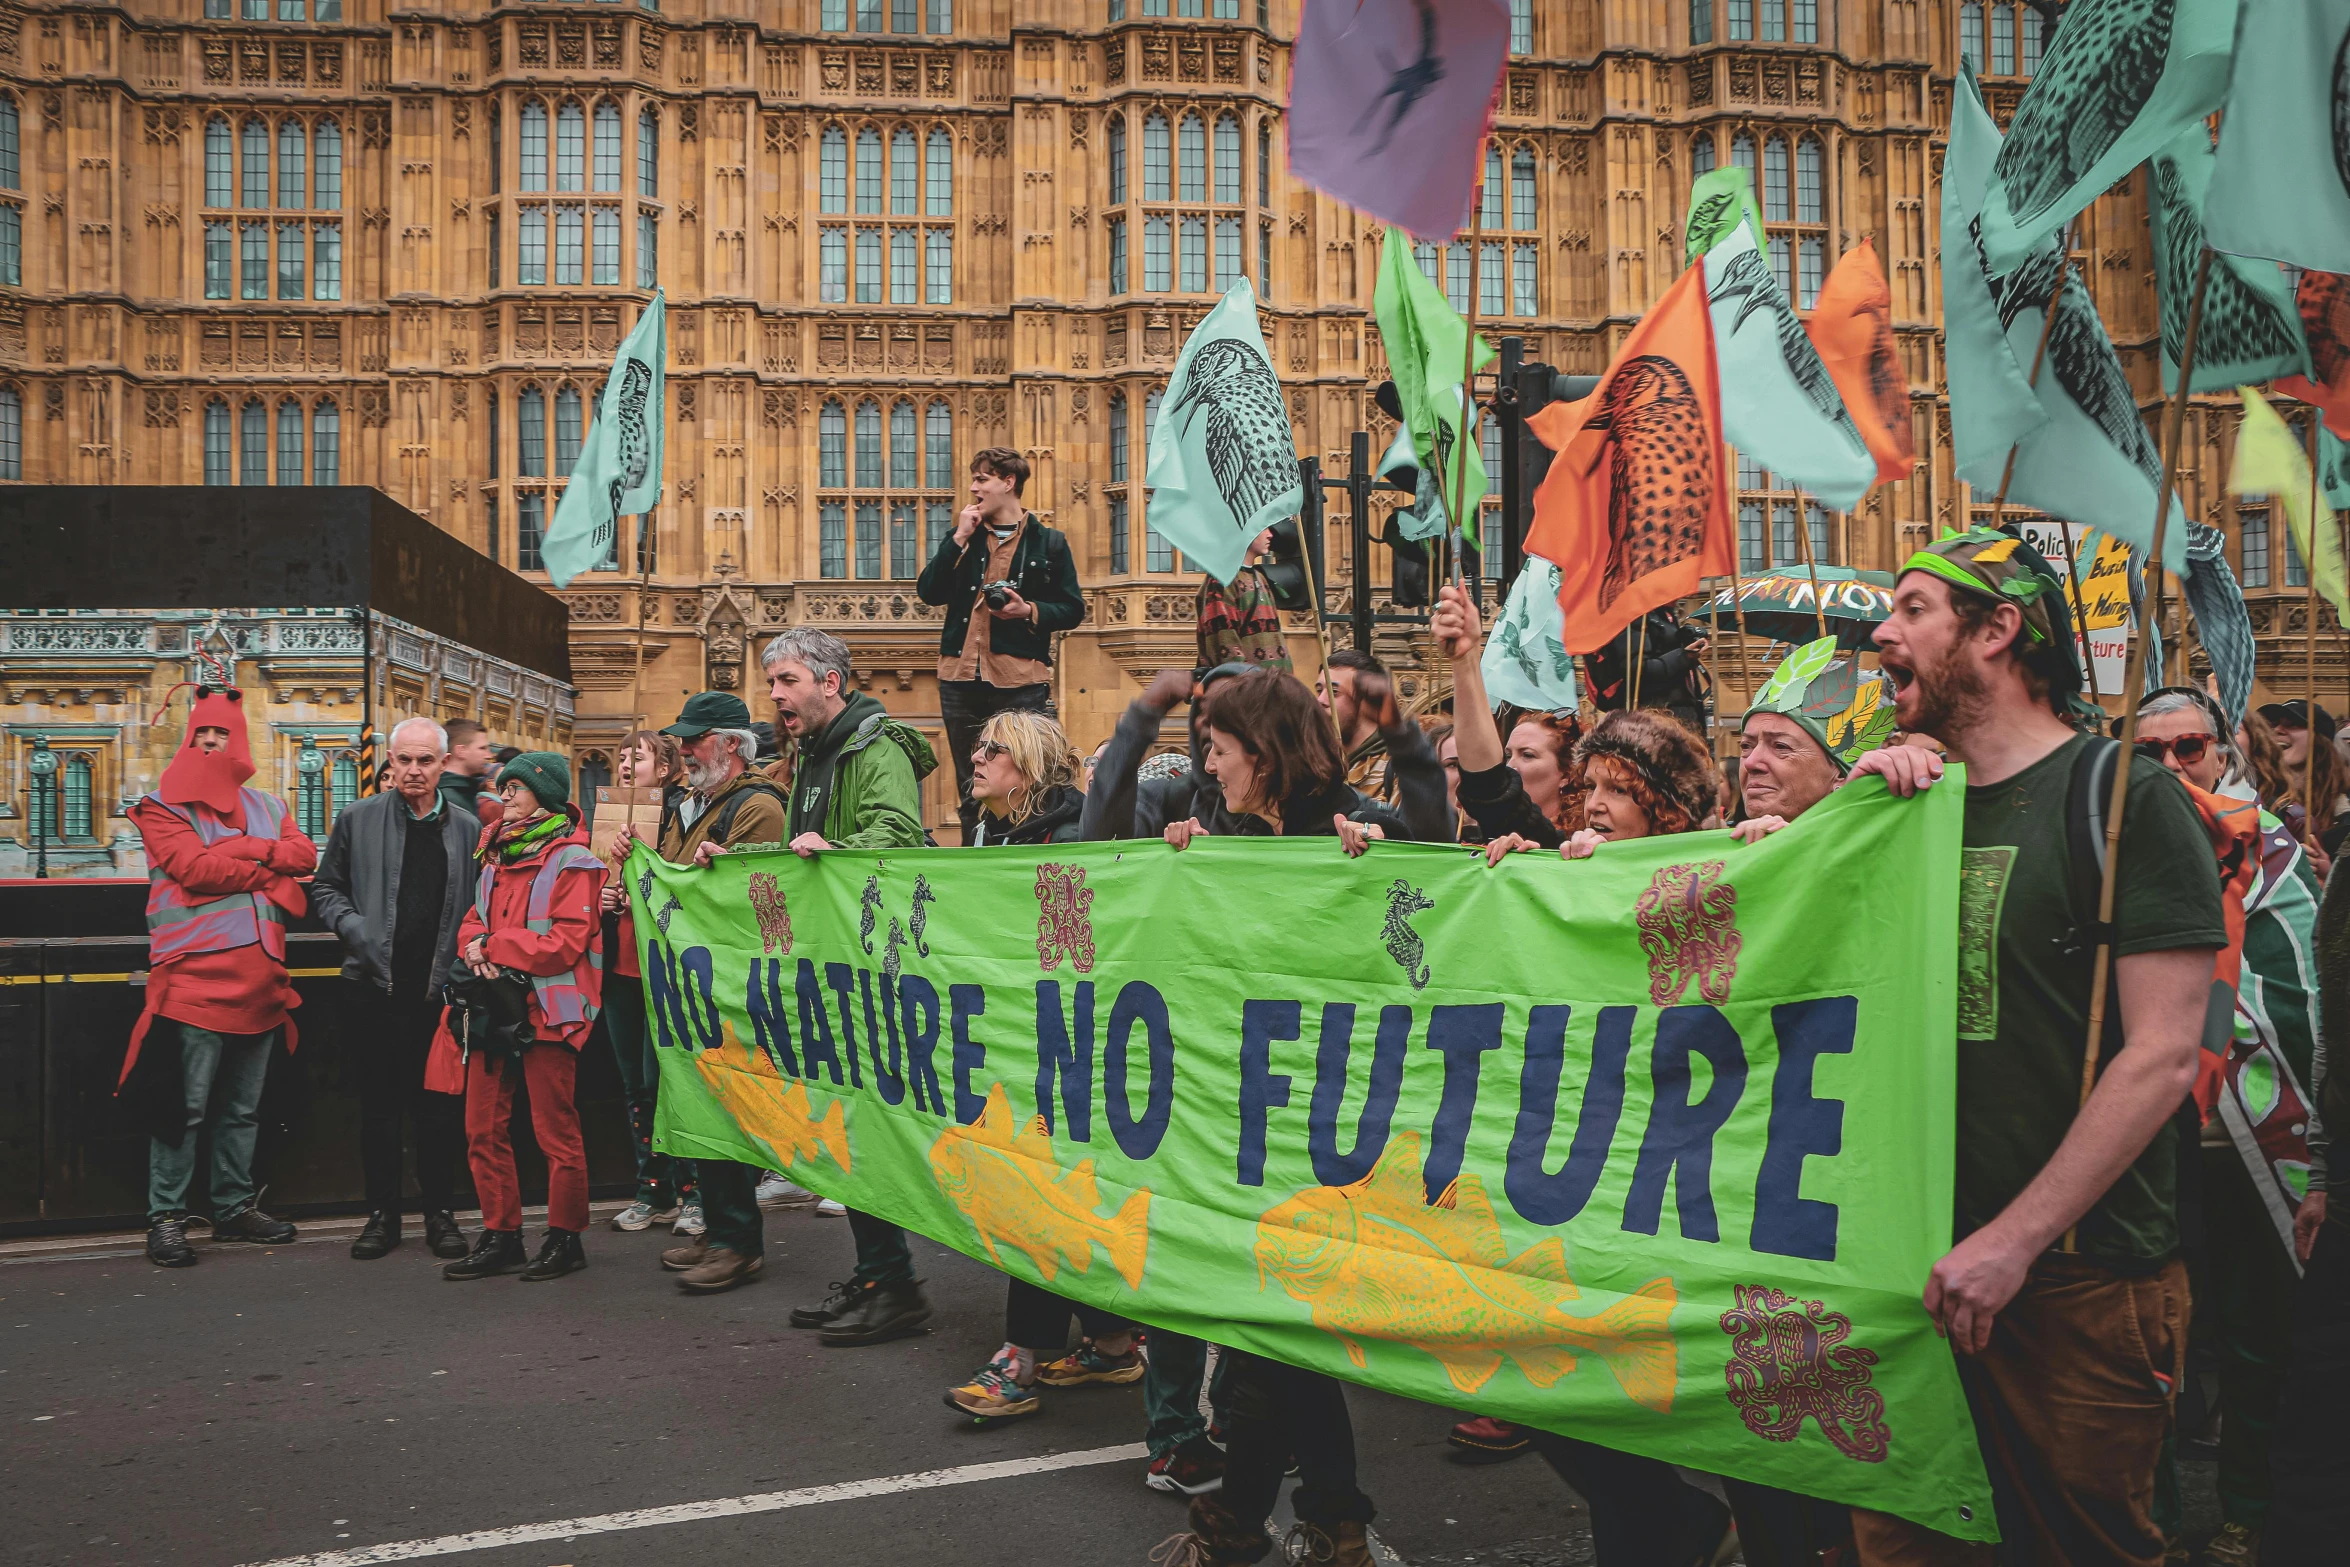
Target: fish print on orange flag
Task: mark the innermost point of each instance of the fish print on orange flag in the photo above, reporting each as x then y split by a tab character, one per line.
1636	508
1377	1260
1004	1179
1852	327
780	1115
2324	298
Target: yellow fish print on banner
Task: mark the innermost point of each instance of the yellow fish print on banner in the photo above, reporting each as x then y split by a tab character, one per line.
764	1106
1376	1260
1005	1180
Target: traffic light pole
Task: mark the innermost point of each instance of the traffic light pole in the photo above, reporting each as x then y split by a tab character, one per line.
1513	478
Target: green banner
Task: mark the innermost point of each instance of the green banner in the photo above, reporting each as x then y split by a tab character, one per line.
1653	1148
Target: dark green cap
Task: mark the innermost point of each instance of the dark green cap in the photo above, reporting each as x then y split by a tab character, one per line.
708	710
544	774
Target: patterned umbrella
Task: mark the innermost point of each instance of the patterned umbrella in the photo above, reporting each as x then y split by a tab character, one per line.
1780	604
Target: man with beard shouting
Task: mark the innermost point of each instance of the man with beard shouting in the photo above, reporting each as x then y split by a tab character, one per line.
2064	1296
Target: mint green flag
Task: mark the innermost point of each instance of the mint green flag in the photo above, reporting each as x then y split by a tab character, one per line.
2284	146
1223	463
2250	329
2120	81
2333	468
1779	405
1526	662
1425	339
1716	202
2082	450
619	467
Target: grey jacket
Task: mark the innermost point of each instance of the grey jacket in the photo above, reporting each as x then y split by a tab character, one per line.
356	893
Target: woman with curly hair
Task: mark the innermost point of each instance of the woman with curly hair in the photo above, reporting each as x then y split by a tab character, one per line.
1024	781
1531	788
1648	776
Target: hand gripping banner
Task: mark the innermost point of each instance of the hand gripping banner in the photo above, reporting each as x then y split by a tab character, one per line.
1652	1148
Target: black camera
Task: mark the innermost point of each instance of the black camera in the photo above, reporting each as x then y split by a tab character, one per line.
997	594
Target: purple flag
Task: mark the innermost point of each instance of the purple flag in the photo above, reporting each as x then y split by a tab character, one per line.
1388	100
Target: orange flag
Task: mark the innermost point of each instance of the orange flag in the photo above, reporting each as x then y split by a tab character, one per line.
1636	508
2324	298
1852	327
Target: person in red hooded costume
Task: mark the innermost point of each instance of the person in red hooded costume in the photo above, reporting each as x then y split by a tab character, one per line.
222	861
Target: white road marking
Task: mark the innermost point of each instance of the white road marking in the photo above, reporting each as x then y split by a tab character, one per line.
722	1507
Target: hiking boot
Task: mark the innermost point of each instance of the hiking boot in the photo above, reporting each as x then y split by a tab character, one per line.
1193	1468
720	1270
833	1307
1217	1538
1342	1544
689	1222
2233	1546
886	1311
776	1192
679	1258
1486	1440
255	1226
167	1243
995	1393
497	1251
442	1235
1086	1363
559	1253
378	1236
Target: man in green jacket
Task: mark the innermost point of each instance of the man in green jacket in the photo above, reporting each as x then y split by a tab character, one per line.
856	785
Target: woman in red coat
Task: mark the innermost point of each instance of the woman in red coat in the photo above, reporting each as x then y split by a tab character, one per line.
535	913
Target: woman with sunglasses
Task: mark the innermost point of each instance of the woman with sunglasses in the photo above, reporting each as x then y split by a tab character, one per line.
1024	781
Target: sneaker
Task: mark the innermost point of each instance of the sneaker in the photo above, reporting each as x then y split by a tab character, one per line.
255	1226
167	1243
689	1220
776	1192
559	1254
1193	1468
883	1312
1486	1440
2233	1546
833	1307
638	1215
1086	1364
831	1209
720	1270
993	1393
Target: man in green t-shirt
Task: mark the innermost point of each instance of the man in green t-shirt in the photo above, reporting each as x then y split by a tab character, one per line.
2064	1294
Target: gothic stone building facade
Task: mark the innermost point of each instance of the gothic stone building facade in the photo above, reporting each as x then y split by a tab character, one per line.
335	241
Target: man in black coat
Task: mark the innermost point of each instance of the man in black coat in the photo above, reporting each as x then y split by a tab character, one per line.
1007	583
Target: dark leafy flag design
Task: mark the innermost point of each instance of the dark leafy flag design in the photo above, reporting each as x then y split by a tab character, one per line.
619	467
2250	330
1223	459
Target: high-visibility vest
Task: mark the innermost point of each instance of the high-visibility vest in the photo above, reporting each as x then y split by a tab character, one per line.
179	924
562	998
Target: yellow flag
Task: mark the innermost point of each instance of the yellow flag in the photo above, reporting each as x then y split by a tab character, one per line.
2270	462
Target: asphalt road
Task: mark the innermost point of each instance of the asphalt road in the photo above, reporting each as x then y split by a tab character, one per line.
288	1403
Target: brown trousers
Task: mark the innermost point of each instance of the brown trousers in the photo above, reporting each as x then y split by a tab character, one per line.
2071	1401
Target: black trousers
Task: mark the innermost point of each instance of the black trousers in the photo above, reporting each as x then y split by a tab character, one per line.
390	1038
1037	1320
965	706
1643	1512
2309	1515
1276	1412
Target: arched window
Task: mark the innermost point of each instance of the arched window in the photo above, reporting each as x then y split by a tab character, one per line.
10	163
1701	153
1157	553
648	153
938	181
220	176
73	796
1775	180
289	442
905	175
1121	459
1117	160
1811	265
293	164
253	443
832	165
1808	205
1496	208
1521	26
497	150
832	445
326	192
869	179
256	153
1265	163
1970	32
1228	159
570	148
567	431
1121	464
1701	21
11	434
1157	184
1192	168
326	443
608	146
1742	150
530	433
534	145
905	455
216	452
2031	61
1522	188
869	444
938	442
2003	40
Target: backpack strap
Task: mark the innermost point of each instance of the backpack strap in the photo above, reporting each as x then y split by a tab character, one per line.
2088	794
723	823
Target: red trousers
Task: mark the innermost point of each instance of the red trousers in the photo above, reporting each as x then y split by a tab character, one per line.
548	1073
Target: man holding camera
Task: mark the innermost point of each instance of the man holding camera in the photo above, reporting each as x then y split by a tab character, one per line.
1007	583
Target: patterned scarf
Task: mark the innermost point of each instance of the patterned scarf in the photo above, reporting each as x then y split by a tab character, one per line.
529	840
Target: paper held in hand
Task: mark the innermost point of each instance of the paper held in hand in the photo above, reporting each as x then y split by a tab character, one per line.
617	808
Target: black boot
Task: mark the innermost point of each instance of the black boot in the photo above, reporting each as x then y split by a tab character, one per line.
381	1234
559	1254
843	1300
498	1251
887	1311
255	1226
167	1243
442	1234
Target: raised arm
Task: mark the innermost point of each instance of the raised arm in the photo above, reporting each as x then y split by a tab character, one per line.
1109	804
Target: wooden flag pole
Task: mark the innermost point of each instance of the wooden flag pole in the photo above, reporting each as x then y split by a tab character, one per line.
2309	754
2101	973
1803	537
644	578
2072	571
1468	430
